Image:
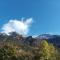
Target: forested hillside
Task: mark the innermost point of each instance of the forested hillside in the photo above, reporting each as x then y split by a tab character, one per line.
18	47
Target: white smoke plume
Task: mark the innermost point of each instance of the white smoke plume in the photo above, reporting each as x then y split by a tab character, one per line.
19	26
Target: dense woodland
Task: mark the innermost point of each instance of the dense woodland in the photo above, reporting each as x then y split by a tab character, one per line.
15	47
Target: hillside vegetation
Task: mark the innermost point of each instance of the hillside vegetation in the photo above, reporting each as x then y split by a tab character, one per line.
17	47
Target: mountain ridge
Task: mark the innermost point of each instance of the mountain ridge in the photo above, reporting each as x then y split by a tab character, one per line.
29	40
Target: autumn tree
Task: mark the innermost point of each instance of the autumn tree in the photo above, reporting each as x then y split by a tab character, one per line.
45	51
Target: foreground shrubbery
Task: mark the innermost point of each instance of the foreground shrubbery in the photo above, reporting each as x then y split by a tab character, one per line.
44	51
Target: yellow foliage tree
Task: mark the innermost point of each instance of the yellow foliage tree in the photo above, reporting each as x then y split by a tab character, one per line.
44	50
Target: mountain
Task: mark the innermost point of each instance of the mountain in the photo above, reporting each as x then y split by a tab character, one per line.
29	40
55	39
45	36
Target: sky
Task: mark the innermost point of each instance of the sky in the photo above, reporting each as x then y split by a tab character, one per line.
43	16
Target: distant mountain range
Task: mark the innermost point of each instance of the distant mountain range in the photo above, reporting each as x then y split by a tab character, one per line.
55	39
29	40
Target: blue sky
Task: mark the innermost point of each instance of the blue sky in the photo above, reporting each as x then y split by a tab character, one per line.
45	14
